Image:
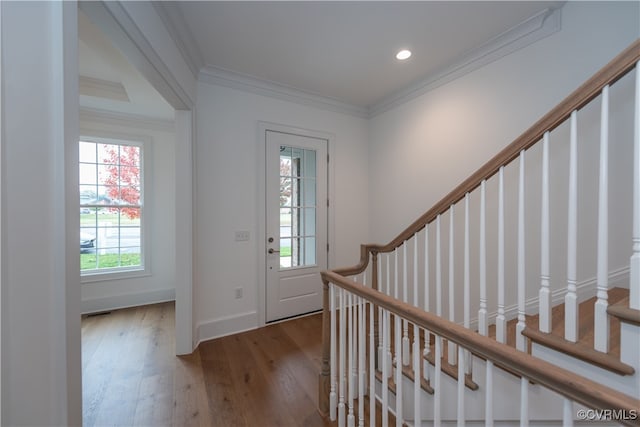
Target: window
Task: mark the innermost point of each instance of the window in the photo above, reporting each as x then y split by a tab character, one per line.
111	207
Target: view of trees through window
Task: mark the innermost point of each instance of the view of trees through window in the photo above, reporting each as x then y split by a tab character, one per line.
110	206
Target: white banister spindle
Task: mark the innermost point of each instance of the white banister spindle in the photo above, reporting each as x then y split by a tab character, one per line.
634	274
520	339
545	254
461	385
451	347
488	402
361	361
405	297
438	270
353	348
437	394
396	291
372	367
571	297
398	371
427	289
381	289
524	402
388	346
501	323
333	397
415	271
416	373
351	420
343	371
600	317
466	284
362	326
385	370
567	413
483	324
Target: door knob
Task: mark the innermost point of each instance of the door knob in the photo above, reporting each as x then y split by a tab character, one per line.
273	251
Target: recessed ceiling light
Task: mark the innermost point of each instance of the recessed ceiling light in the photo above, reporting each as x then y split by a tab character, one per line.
403	54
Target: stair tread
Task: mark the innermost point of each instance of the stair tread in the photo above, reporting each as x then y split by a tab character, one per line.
407	372
623	312
445	367
583	348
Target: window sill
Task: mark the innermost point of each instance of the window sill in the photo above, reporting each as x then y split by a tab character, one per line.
119	274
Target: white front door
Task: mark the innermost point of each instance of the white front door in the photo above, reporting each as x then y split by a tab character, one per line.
296	223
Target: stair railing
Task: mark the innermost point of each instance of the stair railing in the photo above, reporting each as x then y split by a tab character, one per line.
391	268
350	320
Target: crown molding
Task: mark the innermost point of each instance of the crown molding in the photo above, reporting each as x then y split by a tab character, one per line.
99	88
517	37
124	119
219	76
172	17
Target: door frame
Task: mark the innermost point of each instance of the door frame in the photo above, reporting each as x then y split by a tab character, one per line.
261	240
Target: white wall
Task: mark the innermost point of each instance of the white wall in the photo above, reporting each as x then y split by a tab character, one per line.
227	194
160	212
40	287
429	145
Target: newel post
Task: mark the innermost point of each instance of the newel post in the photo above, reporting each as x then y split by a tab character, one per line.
324	380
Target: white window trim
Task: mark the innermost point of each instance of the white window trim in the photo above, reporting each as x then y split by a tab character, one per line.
121	273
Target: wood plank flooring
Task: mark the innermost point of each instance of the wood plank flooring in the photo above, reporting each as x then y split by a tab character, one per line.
131	377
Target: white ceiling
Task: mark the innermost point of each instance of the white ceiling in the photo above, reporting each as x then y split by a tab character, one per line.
341	51
344	50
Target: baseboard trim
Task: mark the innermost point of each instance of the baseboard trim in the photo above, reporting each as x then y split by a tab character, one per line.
229	325
114	302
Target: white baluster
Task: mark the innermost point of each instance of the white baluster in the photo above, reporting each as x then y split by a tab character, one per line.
437	394
483	324
405	297
388	346
361	361
398	367
501	323
397	337
452	352
333	397
488	403
601	319
466	285
416	373
438	270
461	377
395	274
521	339
545	254
363	371
372	368
524	402
415	270
343	372
634	265
567	413
353	348
385	370
427	335
350	418
571	297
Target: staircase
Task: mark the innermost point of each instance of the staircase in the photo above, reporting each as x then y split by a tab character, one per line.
439	332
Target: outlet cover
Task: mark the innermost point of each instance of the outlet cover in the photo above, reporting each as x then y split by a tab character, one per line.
242	236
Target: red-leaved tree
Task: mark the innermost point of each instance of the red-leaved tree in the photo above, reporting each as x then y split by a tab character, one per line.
123	176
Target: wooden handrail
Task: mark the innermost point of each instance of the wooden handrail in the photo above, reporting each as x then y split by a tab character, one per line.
562	381
609	74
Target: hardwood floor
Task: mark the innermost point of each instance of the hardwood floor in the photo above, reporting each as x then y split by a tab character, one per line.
131	377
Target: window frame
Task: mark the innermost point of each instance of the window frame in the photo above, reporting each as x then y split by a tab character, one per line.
127	272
